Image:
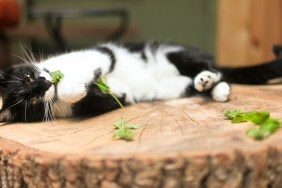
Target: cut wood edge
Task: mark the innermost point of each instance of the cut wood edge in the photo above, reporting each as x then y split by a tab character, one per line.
22	166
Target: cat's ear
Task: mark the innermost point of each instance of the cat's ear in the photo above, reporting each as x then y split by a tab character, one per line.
5	115
277	50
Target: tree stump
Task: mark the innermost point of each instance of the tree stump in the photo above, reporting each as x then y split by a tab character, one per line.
181	143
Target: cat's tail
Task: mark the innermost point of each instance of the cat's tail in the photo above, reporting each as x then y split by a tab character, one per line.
257	74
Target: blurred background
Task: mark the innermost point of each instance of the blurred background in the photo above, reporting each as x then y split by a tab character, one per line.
236	32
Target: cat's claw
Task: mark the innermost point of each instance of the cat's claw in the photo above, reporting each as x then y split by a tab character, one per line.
205	80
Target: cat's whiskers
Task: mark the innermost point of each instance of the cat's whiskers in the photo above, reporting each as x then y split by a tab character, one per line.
30	54
27	53
46	108
51	116
30	64
43	119
56	105
41	55
10	81
48	116
15	104
28	57
25	109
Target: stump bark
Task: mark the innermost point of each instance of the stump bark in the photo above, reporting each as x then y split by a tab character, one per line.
181	143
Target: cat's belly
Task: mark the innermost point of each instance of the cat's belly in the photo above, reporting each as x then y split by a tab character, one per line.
148	88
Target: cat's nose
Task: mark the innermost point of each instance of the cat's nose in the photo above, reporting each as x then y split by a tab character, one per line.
48	84
44	84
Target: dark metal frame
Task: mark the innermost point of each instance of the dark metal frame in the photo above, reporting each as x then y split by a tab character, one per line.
54	17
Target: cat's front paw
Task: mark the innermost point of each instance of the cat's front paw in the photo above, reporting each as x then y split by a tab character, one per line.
221	92
205	80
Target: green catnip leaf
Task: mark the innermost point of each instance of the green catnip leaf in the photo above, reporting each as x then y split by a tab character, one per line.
124	130
124	133
237	116
132	126
264	130
232	113
57	76
104	87
119	123
264	125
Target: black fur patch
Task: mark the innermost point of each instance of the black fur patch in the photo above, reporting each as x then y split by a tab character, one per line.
97	73
96	102
191	62
136	48
110	53
257	74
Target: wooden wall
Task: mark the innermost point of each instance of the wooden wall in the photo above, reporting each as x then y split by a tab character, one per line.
246	31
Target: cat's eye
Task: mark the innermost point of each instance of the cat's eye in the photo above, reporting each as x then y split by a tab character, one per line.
28	77
34	100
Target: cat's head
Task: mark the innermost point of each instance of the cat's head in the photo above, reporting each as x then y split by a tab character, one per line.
22	90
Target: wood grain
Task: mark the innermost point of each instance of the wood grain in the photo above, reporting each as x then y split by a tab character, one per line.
247	30
232	32
181	143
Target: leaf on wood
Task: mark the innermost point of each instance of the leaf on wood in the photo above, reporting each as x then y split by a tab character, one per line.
264	130
265	126
124	130
237	116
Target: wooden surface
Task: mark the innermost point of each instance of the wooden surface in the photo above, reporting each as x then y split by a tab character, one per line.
247	30
181	143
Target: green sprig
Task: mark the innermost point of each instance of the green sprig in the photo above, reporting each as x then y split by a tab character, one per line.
265	126
57	76
124	130
104	87
238	116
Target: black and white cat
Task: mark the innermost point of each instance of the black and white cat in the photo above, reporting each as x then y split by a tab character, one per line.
134	72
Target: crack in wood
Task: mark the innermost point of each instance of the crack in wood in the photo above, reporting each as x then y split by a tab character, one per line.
179	126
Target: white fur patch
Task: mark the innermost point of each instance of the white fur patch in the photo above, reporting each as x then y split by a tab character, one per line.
221	92
155	79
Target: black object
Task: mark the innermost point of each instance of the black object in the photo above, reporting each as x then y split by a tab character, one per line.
53	20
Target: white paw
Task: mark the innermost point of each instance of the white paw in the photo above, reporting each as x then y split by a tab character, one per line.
221	92
205	80
72	94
